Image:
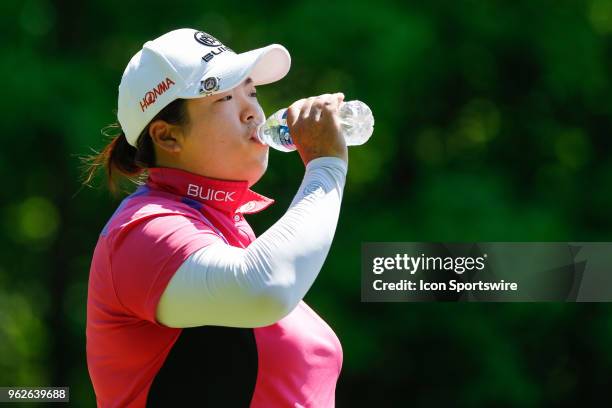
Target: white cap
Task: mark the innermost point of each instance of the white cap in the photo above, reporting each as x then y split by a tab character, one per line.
188	63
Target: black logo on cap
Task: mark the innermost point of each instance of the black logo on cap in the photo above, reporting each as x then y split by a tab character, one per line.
210	84
206	39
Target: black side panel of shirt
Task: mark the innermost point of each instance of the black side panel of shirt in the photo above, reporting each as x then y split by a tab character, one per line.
209	366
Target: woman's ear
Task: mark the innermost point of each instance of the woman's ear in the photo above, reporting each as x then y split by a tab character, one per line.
166	136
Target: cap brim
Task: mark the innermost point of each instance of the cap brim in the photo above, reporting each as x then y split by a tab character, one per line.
264	65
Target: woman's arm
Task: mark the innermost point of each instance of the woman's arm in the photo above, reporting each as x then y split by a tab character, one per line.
256	286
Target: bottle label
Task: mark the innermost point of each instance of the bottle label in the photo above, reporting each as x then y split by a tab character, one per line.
284	136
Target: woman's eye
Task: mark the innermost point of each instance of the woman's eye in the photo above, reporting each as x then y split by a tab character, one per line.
225	98
254	94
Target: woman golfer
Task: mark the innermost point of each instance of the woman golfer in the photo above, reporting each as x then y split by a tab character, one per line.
185	306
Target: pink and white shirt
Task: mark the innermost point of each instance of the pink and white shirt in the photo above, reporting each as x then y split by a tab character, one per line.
184	303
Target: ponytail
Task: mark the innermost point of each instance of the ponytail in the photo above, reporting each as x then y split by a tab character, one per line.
120	159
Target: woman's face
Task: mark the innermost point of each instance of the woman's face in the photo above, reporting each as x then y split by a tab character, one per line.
219	141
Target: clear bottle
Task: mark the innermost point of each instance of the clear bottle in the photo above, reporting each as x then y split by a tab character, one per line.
356	121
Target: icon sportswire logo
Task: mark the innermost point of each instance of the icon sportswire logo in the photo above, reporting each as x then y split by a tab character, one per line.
210	194
151	96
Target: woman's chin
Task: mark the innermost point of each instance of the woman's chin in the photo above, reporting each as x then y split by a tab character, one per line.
258	173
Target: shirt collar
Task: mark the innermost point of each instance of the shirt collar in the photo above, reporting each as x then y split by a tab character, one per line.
225	195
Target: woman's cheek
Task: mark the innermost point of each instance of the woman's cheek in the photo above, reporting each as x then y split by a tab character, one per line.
261	116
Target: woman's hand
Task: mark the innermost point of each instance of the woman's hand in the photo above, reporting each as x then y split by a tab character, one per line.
314	125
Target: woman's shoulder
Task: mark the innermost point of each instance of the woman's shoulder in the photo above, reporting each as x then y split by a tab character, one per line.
145	205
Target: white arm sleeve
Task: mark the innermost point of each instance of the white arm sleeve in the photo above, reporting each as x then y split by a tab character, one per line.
256	286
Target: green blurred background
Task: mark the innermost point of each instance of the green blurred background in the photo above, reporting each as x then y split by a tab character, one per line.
492	124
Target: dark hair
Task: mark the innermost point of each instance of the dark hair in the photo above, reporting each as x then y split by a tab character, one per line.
118	156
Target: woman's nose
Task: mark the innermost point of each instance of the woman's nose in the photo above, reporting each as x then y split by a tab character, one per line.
252	111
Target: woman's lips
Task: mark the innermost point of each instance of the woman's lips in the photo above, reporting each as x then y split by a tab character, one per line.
253	137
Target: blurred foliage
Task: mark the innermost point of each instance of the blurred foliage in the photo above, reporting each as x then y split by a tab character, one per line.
492	124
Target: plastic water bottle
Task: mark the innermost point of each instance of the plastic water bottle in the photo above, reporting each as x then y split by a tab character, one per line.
356	122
